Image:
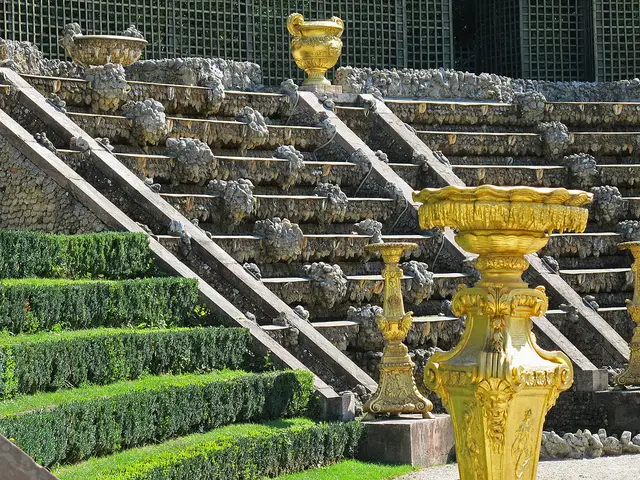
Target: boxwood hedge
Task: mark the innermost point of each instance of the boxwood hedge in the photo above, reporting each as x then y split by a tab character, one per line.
31	305
247	452
53	360
72	425
114	255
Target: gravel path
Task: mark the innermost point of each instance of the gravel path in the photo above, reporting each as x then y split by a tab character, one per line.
626	467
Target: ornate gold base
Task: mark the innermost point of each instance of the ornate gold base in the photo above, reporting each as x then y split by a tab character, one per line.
497	383
397	391
631	376
316	79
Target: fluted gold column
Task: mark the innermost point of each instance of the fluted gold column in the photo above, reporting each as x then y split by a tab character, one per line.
631	376
497	383
397	391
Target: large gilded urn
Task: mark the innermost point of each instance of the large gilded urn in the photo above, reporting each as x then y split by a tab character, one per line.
497	383
316	46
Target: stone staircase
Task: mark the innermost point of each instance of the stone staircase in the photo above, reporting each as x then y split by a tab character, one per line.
567	144
237	199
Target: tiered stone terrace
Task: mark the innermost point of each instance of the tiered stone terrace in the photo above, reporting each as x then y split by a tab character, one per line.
327	237
488	142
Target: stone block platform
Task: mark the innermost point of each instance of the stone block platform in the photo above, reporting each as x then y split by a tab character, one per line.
620	408
408	439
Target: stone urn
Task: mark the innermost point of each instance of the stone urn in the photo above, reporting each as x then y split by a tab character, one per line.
97	50
316	46
497	383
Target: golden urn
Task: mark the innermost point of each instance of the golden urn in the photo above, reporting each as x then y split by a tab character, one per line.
397	391
497	383
631	376
316	46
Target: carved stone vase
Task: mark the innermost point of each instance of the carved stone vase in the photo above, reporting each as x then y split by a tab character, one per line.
316	46
631	376
497	383
96	50
397	391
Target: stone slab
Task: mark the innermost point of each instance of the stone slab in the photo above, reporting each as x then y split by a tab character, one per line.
621	409
335	89
17	465
408	439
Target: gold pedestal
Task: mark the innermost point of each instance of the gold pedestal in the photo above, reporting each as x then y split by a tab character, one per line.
397	391
497	383
316	46
631	376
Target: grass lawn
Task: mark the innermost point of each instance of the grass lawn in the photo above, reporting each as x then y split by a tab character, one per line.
352	470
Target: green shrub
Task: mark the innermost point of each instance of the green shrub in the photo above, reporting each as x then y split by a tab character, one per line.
31	305
72	425
114	255
247	452
53	360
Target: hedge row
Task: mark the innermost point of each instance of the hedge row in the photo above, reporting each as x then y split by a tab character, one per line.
31	305
247	452
50	361
72	425
113	255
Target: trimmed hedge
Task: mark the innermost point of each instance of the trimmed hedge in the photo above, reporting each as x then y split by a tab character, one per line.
72	425
238	452
49	361
115	255
31	305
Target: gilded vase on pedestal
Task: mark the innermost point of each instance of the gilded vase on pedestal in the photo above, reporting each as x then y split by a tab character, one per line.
497	383
316	46
631	376
397	391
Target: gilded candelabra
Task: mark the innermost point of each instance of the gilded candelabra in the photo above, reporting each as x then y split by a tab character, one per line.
397	391
631	376
316	46
497	383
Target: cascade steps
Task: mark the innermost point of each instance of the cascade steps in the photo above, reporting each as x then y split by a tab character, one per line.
469	112
323	247
275	194
175	98
487	143
217	133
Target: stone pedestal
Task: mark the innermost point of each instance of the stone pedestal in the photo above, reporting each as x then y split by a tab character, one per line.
621	409
321	88
409	439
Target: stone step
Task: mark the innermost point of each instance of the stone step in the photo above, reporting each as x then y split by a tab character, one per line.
443	112
354	336
620	320
315	248
508	175
361	289
620	260
261	171
452	112
482	143
583	245
599	280
624	176
297	208
598	114
217	133
177	99
525	144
